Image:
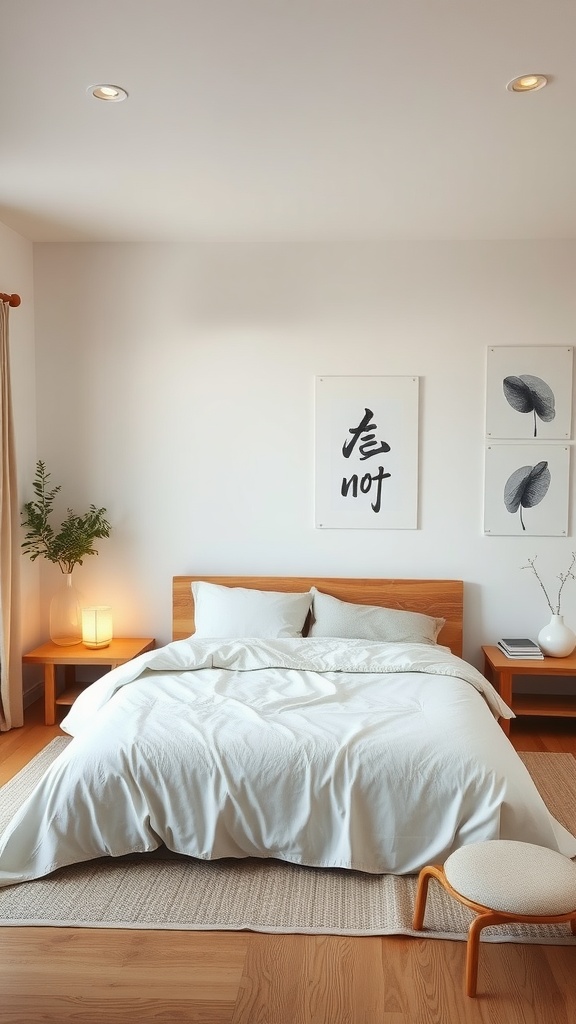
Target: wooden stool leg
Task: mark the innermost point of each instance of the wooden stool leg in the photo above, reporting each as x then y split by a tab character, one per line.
430	871
420	901
472	953
473	947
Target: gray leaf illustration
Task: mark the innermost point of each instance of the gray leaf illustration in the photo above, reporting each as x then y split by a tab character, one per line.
530	394
526	487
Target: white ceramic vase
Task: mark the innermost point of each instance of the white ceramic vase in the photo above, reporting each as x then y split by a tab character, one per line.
66	614
556	640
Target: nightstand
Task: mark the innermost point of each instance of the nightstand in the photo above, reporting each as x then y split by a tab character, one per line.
500	671
50	655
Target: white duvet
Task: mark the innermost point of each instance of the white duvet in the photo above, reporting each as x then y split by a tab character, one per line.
330	753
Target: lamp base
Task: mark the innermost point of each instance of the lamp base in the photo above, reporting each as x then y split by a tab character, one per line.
105	643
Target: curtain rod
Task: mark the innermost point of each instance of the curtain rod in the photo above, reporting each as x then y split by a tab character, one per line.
12	300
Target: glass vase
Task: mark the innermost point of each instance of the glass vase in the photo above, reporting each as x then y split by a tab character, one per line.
556	640
66	614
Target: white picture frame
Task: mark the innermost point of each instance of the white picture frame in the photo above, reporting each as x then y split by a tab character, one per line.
529	393
520	498
366	452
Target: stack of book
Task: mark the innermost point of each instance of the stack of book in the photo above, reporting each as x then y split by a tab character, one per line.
520	648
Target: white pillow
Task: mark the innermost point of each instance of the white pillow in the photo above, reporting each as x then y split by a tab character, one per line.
332	617
241	612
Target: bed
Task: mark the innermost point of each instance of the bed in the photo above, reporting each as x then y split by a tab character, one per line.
326	722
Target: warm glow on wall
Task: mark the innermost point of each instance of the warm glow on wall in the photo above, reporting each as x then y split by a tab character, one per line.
96	626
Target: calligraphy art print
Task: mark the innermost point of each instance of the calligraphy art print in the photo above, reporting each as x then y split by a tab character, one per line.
526	490
366	453
529	393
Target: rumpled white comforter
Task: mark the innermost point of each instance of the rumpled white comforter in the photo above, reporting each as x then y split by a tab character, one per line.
330	753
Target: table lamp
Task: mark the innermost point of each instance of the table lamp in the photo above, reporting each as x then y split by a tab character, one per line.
97	626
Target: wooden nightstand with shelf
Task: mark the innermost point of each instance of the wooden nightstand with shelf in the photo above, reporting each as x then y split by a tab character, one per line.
500	671
51	655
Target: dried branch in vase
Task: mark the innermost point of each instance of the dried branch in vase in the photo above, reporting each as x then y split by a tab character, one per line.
562	576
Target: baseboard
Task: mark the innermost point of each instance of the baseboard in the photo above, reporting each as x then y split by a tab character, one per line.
33	694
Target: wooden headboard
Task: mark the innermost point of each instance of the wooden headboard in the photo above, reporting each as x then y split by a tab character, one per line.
441	598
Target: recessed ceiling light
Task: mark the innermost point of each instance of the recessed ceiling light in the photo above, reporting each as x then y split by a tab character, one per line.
110	93
527	83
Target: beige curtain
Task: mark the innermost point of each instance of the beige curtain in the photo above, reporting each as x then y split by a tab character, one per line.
11	710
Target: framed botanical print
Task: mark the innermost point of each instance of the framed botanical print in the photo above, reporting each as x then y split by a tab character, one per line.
529	393
526	490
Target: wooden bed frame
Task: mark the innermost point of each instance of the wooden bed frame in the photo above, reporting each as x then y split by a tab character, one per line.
440	598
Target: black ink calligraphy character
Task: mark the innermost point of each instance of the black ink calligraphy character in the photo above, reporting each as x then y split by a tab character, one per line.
368	447
365	486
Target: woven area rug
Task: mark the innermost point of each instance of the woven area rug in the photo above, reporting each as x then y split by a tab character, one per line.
165	891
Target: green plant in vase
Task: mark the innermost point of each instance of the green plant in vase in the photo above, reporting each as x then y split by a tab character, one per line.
66	547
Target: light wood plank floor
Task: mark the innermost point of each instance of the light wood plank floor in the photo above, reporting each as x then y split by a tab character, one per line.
94	976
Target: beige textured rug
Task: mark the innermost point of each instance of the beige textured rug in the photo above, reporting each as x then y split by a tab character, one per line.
163	891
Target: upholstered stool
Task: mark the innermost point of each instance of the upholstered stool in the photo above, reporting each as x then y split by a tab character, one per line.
503	881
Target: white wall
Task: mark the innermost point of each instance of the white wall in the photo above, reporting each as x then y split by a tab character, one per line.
175	386
16	275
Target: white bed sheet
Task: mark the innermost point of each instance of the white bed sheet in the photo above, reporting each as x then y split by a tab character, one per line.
329	753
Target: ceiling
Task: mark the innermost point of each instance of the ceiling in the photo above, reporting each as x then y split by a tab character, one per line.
325	119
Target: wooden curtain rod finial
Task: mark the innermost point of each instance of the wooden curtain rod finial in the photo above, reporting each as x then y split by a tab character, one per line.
12	300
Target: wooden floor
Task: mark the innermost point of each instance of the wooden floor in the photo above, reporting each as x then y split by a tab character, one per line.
97	976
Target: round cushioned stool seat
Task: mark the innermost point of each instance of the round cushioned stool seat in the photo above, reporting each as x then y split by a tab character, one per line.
513	877
502	881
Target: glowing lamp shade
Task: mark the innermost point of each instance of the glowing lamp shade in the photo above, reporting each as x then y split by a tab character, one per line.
96	626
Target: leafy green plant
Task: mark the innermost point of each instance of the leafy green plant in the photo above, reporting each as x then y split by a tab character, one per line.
75	538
